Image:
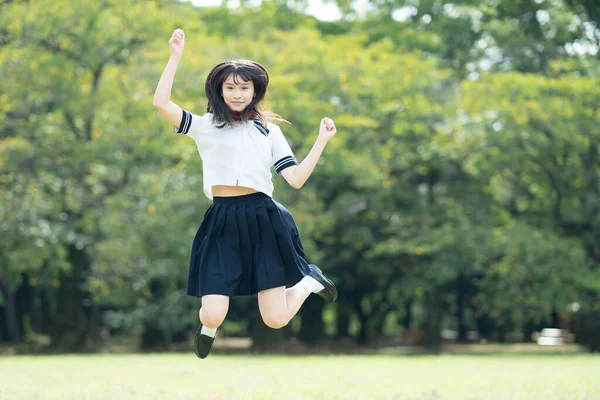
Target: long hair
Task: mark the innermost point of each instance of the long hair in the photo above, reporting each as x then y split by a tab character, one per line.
247	71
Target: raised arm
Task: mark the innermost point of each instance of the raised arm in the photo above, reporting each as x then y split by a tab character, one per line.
297	175
162	97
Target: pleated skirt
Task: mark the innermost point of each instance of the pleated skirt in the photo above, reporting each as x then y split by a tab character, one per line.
245	244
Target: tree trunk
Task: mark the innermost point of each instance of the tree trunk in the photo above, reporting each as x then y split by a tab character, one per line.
408	313
555	320
379	325
10	313
460	308
484	323
504	328
363	334
94	326
44	322
153	338
593	343
383	309
528	329
312	328
3	328
343	320
432	332
502	333
24	304
69	325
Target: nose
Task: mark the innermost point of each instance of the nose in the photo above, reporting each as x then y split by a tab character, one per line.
237	94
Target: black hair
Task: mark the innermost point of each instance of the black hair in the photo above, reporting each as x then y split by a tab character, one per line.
248	71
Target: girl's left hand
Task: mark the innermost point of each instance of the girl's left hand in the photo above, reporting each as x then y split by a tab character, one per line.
327	129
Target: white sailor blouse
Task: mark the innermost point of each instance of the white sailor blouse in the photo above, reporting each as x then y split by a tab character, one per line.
239	155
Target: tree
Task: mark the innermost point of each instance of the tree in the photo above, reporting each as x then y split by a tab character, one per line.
64	52
535	141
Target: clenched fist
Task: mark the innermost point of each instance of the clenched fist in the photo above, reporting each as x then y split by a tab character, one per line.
327	129
177	42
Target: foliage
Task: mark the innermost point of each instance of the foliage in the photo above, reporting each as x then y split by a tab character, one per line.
463	180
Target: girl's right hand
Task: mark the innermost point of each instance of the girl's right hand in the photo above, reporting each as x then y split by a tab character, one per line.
177	42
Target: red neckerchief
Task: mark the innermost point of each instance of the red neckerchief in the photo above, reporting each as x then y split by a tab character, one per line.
237	116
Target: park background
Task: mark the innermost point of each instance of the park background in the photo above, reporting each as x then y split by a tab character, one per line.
460	194
459	202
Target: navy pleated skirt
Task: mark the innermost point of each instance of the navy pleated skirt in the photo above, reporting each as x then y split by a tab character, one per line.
245	244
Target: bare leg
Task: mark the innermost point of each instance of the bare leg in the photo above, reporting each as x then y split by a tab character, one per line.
212	314
279	305
214	310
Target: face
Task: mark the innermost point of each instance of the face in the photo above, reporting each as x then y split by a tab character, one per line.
237	93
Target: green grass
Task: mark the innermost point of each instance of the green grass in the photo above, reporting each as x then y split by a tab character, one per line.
182	376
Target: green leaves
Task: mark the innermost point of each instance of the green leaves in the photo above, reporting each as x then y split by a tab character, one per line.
432	179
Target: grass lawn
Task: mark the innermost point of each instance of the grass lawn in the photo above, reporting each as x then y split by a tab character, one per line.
182	376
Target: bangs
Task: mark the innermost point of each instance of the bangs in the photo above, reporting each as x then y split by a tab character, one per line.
241	73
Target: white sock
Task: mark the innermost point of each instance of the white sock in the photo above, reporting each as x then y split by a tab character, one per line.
311	284
208	331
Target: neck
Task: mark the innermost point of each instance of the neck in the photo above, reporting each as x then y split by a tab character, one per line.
237	116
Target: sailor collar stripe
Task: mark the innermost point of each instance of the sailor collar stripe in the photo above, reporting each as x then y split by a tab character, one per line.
186	122
262	129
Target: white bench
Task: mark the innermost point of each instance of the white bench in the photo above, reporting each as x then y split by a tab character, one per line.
554	337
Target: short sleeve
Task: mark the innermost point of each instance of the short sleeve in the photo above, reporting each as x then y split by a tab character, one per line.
283	156
192	124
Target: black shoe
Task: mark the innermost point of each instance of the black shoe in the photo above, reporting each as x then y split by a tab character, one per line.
329	293
203	343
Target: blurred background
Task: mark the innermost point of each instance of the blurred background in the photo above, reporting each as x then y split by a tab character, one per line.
459	202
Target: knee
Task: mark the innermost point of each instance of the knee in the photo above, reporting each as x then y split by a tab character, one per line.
275	321
211	318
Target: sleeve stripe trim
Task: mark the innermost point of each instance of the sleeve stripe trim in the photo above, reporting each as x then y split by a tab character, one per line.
186	121
285	162
284	159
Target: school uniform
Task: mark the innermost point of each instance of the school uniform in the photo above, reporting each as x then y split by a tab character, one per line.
249	243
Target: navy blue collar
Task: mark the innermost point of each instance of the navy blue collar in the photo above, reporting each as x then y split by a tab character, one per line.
260	126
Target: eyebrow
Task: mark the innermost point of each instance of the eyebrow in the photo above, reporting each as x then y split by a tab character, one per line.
239	84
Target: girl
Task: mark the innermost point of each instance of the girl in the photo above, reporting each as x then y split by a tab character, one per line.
247	243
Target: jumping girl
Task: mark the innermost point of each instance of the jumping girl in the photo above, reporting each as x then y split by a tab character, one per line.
247	243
